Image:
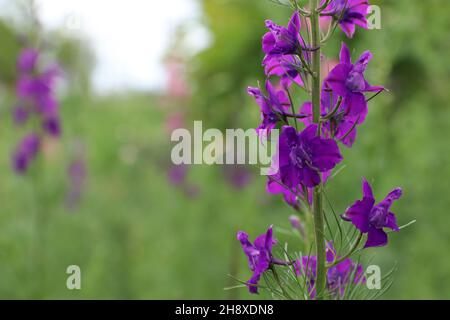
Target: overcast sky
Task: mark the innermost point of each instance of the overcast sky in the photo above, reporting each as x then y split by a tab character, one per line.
129	36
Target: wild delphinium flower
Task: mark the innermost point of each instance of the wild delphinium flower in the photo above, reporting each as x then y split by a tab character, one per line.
297	224
177	174
26	152
20	115
273	106
177	177
284	66
338	276
35	92
237	176
259	255
281	40
27	61
372	218
308	146
77	173
347	80
348	14
303	156
337	122
341	272
286	52
292	196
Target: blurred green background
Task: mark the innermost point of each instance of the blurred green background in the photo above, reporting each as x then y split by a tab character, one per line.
136	233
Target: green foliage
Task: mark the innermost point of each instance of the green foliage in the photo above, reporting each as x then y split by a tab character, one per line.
8	54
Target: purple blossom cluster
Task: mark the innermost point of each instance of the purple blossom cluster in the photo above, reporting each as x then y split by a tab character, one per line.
349	13
309	142
260	259
35	90
338	277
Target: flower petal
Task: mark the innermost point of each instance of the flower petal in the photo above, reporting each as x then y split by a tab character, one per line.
310	178
392	222
358	214
325	154
337	78
367	189
357	106
345	56
376	238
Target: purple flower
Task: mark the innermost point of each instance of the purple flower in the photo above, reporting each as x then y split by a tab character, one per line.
51	125
35	90
349	13
39	90
293	196
259	255
177	174
26	152
281	40
347	80
338	276
284	66
307	267
238	176
372	219
275	186
295	222
272	106
27	60
77	177
341	126
303	156
20	115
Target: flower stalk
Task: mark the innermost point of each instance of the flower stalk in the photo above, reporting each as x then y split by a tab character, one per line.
317	200
309	154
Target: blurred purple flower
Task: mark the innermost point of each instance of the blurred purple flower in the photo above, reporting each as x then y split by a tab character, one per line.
36	90
77	177
20	115
26	152
372	219
238	176
303	156
177	174
295	221
259	255
27	60
349	13
51	125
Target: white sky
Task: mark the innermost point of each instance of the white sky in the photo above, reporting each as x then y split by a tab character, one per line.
129	36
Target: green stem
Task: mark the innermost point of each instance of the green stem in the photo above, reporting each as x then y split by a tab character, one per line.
317	202
277	279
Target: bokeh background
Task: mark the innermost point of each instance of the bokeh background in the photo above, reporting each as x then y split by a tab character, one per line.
140	228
